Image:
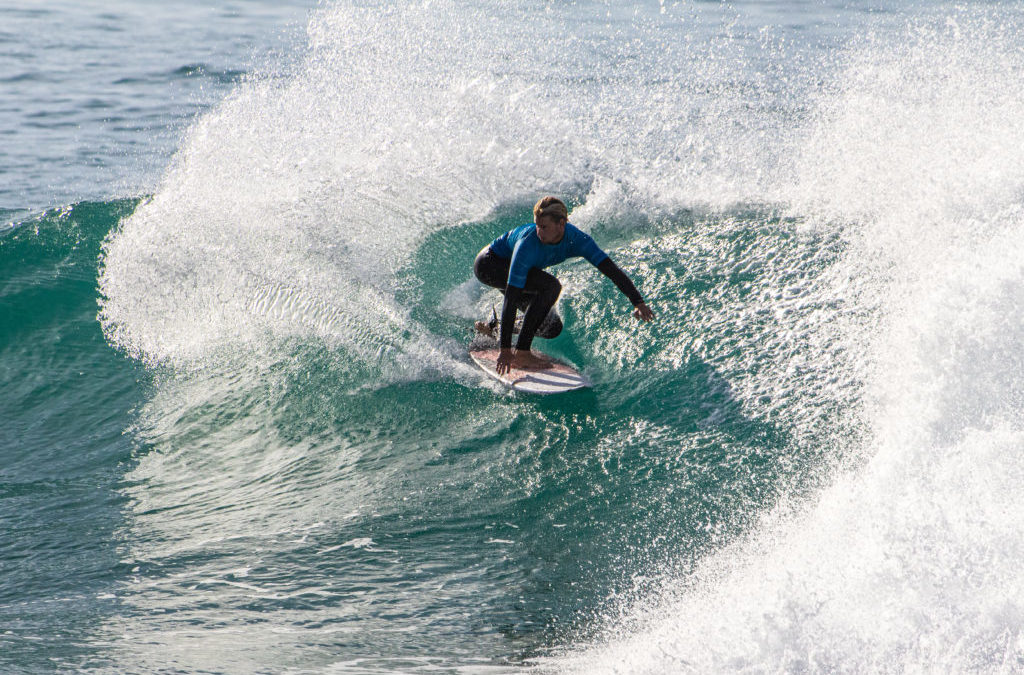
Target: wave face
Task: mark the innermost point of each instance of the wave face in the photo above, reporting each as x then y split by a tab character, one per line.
807	463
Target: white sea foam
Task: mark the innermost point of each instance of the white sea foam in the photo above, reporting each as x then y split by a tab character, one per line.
909	560
290	207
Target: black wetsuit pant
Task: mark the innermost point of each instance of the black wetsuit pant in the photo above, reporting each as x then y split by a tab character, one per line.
536	300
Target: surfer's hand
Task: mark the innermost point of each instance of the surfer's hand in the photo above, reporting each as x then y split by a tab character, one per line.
504	363
643	312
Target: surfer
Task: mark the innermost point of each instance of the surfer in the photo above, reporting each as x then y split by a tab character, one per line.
513	263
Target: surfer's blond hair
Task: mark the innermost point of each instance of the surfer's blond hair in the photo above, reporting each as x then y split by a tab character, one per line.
550	206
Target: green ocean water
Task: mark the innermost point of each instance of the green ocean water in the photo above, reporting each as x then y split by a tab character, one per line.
241	432
433	519
66	399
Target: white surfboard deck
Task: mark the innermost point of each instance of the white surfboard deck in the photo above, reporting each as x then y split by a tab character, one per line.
555	378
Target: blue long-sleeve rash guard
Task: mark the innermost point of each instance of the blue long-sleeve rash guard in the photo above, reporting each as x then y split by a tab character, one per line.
526	250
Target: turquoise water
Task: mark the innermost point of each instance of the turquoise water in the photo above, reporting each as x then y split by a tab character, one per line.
241	433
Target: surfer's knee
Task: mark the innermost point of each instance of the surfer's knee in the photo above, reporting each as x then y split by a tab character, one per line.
552	289
490	269
552	326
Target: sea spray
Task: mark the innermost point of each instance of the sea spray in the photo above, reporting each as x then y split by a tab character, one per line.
909	559
290	207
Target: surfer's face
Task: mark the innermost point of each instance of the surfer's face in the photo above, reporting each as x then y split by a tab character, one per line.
550	230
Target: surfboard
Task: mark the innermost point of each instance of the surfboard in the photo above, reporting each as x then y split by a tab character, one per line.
555	377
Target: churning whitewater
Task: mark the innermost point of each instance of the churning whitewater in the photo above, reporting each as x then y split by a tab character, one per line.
810	461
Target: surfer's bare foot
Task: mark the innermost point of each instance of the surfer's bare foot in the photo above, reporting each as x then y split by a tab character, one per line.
530	360
484	328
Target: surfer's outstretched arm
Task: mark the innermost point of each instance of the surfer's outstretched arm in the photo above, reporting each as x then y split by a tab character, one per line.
625	284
